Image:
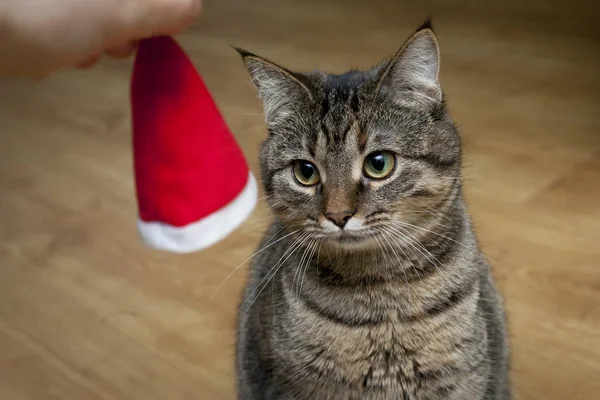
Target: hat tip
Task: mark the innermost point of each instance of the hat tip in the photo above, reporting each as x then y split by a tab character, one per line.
161	56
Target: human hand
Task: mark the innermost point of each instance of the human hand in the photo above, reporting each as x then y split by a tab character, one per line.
38	37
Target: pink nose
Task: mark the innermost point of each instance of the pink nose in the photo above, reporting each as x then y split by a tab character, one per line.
339	218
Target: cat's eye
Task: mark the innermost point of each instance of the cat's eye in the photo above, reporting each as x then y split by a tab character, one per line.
306	173
379	165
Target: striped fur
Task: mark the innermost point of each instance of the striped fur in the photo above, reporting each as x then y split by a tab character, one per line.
400	303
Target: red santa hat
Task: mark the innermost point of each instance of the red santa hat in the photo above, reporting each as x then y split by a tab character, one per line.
193	184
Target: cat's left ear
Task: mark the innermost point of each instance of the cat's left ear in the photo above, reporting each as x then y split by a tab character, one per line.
412	75
283	95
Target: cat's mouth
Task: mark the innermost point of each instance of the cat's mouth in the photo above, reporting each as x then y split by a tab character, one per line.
355	233
351	236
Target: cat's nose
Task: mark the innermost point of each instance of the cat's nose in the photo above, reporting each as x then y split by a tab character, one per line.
339	218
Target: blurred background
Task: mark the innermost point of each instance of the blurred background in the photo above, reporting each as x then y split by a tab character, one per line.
87	312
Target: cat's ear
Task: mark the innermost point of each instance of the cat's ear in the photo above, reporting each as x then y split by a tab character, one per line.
282	93
412	75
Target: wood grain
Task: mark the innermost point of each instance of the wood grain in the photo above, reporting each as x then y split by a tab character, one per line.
87	312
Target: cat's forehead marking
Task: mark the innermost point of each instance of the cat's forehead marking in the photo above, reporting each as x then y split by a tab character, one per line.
320	147
339	110
357	163
338	140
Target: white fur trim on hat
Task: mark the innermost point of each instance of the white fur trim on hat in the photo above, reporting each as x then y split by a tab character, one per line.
205	232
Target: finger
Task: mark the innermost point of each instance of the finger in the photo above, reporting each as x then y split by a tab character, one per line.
89	62
122	51
160	17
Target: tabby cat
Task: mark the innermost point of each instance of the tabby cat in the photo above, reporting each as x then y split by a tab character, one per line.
370	284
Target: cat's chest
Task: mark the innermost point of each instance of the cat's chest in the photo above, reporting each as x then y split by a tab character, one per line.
374	362
389	360
376	356
360	344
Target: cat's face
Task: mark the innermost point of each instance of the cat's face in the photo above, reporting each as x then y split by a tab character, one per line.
356	157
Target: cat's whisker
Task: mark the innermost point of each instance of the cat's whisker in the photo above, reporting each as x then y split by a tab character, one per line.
297	244
411	240
258	225
265	197
385	237
262	222
399	239
414	242
427	254
395	241
310	257
430	211
399	243
291	248
301	263
263	225
264	215
307	257
383	252
254	114
252	256
443	236
307	265
252	129
271	219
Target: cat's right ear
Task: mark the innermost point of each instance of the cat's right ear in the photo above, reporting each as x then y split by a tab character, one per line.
281	92
412	75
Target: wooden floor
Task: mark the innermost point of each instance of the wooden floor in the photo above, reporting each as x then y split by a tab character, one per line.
87	312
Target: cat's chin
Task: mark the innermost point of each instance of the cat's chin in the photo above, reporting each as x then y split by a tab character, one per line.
351	241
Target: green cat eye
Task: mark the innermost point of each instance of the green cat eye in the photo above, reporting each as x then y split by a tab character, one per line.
306	173
379	165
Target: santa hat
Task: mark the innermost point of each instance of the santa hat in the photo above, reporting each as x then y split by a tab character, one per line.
193	184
